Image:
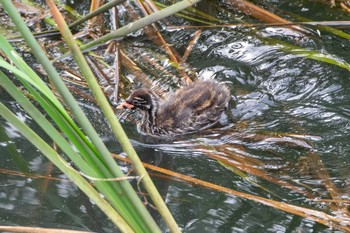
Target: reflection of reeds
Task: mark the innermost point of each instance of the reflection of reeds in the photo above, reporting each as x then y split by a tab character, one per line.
251	166
334	221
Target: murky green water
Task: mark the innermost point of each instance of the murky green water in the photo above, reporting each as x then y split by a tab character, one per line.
284	108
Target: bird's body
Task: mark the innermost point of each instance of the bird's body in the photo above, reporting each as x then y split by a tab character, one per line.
193	108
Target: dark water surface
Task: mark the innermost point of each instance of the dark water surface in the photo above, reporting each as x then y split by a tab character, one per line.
285	110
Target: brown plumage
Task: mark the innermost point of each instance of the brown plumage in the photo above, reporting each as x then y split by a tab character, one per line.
193	108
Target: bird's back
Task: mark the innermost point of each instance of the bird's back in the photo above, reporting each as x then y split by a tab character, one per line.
194	107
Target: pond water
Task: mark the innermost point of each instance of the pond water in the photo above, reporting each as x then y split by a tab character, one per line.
288	122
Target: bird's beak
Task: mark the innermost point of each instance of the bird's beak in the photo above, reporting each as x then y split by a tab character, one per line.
125	105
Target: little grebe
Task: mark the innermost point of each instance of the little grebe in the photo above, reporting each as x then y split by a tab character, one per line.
193	108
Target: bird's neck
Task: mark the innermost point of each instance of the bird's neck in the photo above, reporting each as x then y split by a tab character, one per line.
149	120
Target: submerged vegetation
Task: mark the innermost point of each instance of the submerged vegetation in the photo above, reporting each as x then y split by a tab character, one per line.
116	59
